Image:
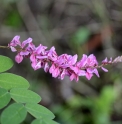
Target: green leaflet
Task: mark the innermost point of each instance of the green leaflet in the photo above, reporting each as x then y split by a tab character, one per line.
39	111
24	96
44	121
9	81
13	114
4	97
5	63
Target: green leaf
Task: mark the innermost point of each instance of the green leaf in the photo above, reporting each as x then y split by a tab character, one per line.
13	114
24	96
81	35
13	19
47	121
42	121
39	111
9	81
37	121
4	97
5	63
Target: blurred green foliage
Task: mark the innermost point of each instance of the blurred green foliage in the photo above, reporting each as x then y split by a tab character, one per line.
88	110
68	26
81	35
13	19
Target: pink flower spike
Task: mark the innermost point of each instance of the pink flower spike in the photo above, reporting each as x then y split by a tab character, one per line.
60	66
18	58
104	69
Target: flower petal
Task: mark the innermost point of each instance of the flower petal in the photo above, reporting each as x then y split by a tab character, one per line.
18	58
29	40
13	49
89	75
104	69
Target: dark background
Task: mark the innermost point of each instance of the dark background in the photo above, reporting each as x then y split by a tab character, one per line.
73	27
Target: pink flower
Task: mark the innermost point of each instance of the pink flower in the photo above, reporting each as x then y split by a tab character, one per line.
65	60
15	41
23	48
38	58
88	63
40	50
52	55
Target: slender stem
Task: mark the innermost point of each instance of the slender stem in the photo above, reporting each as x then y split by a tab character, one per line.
97	66
6	47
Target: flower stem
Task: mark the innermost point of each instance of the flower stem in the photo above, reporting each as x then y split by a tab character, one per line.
6	47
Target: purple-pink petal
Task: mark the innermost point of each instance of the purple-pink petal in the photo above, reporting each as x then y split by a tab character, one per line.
89	75
32	57
104	69
73	60
52	68
62	75
18	58
24	43
56	72
15	41
24	53
105	60
52	55
46	67
41	49
96	72
41	57
38	65
81	73
13	49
